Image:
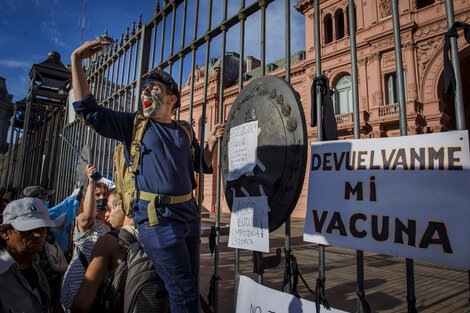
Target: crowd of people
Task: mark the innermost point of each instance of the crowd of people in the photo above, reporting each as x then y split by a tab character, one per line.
135	245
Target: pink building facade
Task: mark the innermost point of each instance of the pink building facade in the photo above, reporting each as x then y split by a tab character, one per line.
423	25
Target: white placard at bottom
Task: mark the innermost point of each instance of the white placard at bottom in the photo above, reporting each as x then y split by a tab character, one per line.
255	298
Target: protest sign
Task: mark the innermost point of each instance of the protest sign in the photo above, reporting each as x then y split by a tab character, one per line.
256	298
403	196
242	150
249	224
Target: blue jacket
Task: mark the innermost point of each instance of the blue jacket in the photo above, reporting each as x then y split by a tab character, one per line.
166	163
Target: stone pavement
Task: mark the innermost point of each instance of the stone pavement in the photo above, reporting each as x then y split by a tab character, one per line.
438	288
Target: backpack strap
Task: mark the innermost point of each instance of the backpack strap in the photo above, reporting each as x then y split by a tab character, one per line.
140	125
128	186
189	131
124	236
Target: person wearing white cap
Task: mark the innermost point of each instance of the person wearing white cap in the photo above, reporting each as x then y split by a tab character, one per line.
23	284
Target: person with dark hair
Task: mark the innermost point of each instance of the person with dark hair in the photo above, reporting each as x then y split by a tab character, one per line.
23	284
90	225
39	192
51	258
163	165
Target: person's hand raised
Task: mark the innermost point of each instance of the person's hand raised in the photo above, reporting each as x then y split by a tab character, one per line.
88	49
89	170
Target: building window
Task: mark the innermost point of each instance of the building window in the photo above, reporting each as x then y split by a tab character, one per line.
391	87
423	3
328	28
339	23
342	96
271	67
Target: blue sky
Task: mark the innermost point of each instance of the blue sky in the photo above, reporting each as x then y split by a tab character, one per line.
29	29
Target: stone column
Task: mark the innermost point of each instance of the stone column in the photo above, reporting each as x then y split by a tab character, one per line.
375	80
412	87
363	84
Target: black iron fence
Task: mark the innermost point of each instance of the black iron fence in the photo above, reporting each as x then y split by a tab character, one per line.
116	76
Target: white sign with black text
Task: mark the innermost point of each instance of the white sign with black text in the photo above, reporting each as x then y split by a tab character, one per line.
249	224
256	298
242	149
403	196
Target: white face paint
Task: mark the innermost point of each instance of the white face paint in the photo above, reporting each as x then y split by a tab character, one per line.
152	99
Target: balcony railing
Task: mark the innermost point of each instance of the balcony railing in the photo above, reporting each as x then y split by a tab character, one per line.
388	110
344	118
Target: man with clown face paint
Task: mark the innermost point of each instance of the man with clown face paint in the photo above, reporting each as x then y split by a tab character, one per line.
166	167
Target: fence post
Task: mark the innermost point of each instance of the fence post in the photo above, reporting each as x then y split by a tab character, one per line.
143	66
454	52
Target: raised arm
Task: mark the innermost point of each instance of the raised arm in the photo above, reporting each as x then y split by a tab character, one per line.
86	218
106	122
79	84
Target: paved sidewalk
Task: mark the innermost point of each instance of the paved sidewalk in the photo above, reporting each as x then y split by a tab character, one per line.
438	288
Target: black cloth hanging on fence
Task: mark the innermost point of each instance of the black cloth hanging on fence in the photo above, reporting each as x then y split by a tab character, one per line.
362	299
291	270
258	263
449	78
330	130
320	297
211	295
411	305
212	237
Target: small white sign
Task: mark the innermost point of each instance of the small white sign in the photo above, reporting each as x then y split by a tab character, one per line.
249	224
256	298
242	150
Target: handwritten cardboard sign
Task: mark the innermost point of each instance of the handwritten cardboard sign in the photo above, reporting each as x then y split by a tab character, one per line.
249	227
242	150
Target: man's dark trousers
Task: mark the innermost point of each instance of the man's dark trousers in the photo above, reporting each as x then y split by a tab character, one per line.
173	247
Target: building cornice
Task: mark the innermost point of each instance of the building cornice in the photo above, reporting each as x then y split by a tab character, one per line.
304	6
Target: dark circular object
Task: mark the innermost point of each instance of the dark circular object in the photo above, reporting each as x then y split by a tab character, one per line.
282	145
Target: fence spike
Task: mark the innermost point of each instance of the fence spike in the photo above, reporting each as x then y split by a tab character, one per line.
157	7
133	29
139	23
126	37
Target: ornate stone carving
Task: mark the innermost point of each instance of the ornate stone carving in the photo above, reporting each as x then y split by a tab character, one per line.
364	103
385	8
411	130
304	6
389	60
431	28
377	99
375	56
412	91
362	61
427	48
376	133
